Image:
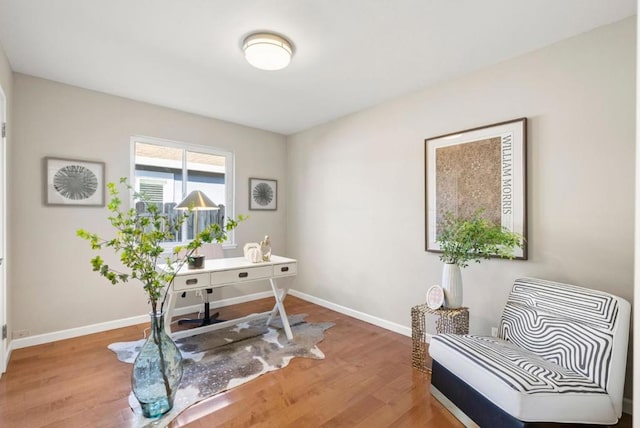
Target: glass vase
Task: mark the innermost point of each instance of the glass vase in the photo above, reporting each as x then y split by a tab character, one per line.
157	371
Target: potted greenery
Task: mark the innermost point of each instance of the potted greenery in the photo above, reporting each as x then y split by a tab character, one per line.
463	240
138	241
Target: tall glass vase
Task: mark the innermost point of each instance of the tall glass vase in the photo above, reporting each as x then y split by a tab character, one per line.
157	371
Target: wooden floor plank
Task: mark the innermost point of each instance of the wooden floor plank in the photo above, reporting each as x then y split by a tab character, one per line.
365	380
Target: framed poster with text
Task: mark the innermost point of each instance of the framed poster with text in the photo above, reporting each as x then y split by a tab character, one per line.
481	168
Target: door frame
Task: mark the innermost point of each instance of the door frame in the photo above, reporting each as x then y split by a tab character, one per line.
4	345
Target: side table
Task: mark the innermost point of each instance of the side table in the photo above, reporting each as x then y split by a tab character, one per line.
433	321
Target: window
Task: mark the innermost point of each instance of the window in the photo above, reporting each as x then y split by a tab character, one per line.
167	171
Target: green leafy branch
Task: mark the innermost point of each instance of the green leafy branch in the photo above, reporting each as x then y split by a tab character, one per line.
474	238
138	240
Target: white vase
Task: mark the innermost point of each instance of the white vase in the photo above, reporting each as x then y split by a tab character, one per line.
452	285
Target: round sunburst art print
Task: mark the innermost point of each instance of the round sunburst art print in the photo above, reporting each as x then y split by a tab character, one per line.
262	194
74	182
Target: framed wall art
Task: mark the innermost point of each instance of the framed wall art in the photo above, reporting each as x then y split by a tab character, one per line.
480	168
263	194
73	182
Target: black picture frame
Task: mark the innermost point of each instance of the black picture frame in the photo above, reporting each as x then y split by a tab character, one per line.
478	168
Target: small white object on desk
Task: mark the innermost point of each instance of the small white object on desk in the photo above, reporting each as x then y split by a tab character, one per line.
265	249
252	252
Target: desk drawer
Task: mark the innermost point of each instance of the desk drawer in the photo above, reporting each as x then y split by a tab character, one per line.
187	282
285	269
240	275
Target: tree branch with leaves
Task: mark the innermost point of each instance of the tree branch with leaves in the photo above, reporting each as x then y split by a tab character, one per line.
474	238
139	242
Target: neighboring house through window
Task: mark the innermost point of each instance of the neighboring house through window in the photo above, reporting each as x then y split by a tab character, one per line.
167	171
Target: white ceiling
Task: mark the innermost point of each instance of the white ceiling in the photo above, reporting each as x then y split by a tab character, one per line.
349	54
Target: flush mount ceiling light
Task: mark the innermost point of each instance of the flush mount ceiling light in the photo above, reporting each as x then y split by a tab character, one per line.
267	51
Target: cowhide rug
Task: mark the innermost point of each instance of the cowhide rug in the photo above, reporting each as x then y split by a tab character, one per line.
222	359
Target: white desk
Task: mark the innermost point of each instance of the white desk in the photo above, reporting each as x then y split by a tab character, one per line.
218	273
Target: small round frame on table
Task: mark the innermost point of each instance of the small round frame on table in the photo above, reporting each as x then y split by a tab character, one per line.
435	297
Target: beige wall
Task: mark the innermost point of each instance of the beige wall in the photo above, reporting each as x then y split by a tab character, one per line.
53	287
356	185
6	75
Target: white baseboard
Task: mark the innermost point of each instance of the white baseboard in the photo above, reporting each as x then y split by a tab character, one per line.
54	336
389	325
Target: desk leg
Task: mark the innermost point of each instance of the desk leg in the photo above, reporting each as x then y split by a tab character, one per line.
171	304
280	307
274	311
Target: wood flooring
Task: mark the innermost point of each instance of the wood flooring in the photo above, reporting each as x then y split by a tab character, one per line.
365	380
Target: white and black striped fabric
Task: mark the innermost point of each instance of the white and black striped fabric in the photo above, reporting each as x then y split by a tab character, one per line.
560	357
522	370
569	326
553	338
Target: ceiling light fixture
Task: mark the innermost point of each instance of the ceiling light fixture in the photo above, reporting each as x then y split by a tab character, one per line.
267	51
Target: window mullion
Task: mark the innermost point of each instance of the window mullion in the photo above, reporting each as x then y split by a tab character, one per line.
184	192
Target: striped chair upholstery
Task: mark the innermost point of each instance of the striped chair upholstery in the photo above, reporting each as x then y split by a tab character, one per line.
560	355
570	326
522	370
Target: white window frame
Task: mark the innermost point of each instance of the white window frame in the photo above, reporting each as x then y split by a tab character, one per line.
229	175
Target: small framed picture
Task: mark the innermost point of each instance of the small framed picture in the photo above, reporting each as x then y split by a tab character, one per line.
435	297
263	194
73	182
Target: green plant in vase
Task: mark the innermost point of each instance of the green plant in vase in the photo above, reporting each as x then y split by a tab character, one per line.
138	240
465	239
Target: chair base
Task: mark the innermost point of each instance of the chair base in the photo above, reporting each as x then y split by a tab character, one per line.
471	407
473	404
208	319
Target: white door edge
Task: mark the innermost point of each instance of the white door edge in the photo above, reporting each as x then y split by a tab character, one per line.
3	224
